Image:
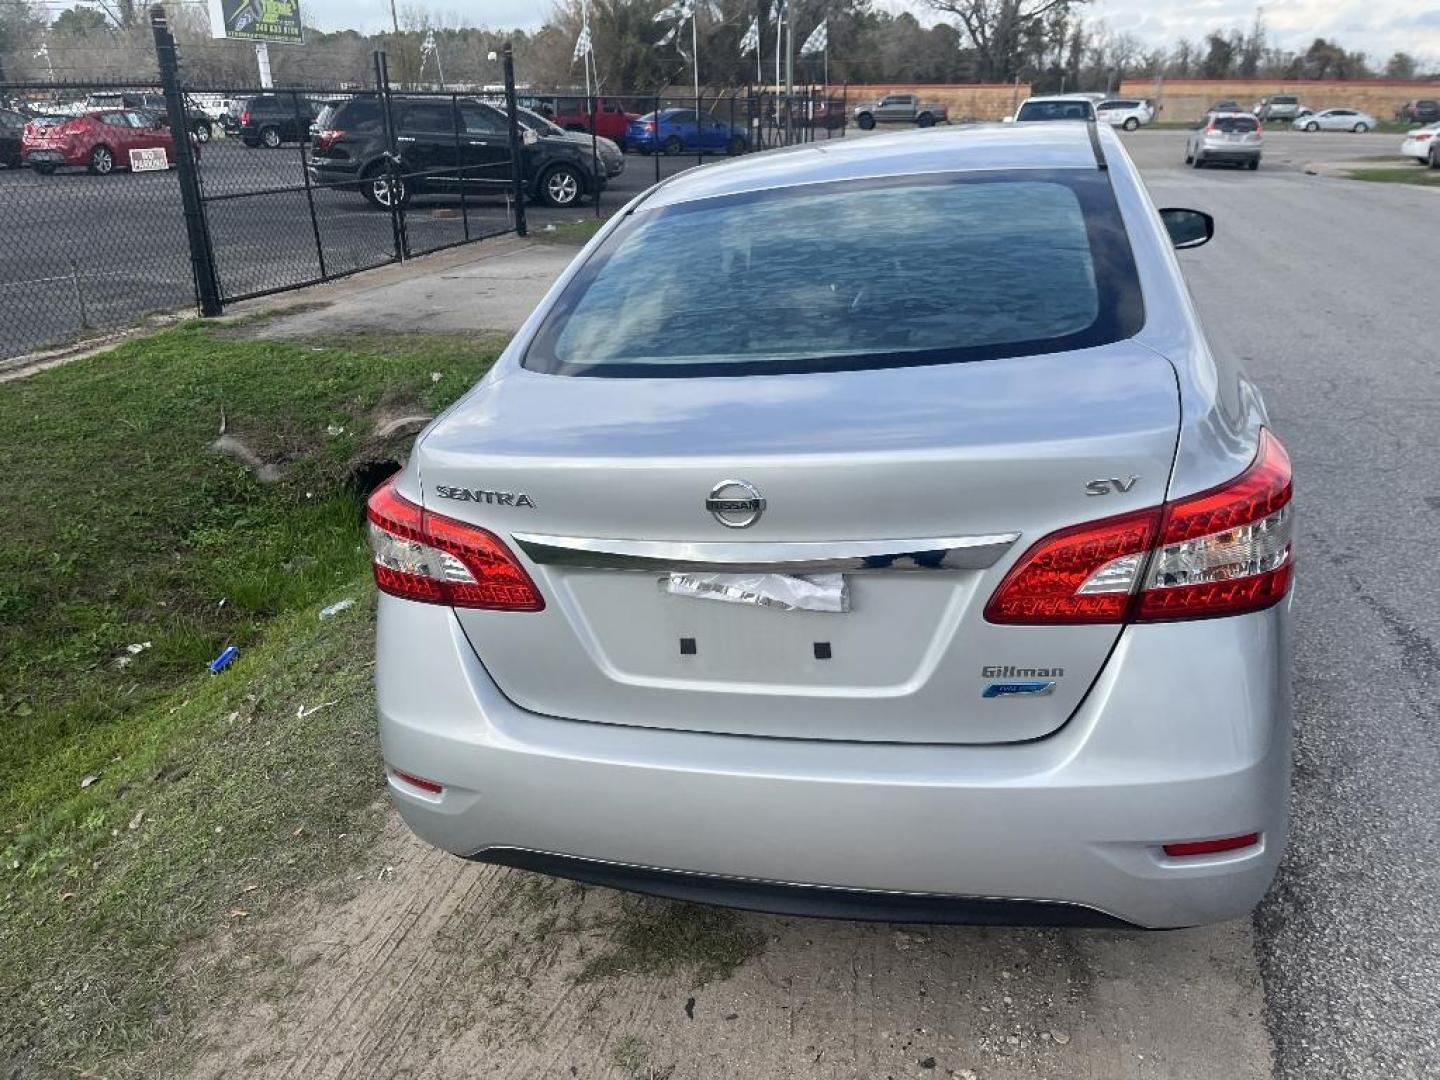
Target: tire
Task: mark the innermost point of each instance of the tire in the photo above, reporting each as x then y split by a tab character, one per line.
1197	161
1361	128
622	144
270	138
101	161
925	120
673	146
1312	126
44	170
375	186
736	146
1189	157
865	121
202	131
1130	124
1435	157
1253	164
562	186
643	150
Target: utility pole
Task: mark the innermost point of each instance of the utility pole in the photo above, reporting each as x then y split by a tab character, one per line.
789	73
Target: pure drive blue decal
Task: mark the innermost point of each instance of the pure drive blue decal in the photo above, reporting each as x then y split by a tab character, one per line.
1019	689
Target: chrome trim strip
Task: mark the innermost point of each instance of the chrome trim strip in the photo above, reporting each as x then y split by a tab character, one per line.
796	557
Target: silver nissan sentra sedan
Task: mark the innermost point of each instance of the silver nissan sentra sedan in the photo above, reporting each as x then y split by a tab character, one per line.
867	530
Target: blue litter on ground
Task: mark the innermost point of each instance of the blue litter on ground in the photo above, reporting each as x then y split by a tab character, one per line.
224	660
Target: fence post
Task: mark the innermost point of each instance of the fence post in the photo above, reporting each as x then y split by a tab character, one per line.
202	255
392	176
517	147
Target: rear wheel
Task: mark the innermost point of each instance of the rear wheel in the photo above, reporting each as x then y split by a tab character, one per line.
44	169
1312	126
1361	128
925	120
736	146
379	190
865	121
102	160
270	137
202	131
1130	123
1253	164
1435	157
561	186
1197	161
673	145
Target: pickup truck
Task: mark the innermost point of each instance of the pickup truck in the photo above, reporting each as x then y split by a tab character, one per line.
901	109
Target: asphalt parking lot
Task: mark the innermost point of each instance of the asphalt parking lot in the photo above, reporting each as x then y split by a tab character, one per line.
86	251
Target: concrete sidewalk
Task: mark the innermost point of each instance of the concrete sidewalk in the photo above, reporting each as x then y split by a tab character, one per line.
489	286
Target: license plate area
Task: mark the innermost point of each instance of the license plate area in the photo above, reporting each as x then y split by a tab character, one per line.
895	628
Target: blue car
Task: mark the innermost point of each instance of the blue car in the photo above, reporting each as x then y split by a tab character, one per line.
677	131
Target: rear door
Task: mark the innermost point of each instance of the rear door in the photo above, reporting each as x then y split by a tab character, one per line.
429	143
920	484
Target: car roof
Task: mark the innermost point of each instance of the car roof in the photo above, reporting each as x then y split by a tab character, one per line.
1061	144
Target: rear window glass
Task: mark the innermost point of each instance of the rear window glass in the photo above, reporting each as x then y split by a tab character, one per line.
875	273
1235	124
1054	110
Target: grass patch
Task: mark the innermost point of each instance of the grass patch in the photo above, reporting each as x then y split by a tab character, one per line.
1411	174
140	797
578	233
661	937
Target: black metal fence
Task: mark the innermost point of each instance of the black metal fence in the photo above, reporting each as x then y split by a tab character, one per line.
295	187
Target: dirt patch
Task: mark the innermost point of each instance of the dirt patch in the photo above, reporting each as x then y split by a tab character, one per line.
445	969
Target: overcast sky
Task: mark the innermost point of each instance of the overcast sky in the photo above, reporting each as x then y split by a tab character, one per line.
1378	27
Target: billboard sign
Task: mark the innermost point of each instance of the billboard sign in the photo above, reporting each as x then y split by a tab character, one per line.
274	21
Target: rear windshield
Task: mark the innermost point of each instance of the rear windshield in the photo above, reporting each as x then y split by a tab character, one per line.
1055	110
1235	124
841	276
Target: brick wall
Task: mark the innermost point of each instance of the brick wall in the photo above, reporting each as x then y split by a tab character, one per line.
1187	99
971	101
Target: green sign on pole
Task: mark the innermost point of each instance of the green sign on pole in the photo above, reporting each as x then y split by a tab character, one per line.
272	21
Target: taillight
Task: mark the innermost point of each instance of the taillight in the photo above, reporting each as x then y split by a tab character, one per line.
1222	552
1190	848
420	555
245	119
1423	136
326	139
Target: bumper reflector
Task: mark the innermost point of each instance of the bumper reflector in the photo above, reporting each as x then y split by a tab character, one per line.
1212	847
429	787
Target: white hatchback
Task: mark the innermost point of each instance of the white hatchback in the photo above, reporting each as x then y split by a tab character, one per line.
1127	113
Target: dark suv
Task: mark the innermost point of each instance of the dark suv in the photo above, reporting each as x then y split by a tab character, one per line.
154	104
1419	111
270	120
445	147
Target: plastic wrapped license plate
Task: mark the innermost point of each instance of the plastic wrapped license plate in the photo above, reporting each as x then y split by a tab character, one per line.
813	592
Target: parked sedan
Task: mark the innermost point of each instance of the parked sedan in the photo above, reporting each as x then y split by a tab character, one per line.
676	131
99	141
1422	143
760	570
1336	120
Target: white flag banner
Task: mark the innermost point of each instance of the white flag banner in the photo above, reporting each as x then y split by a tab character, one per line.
679	10
817	42
670	35
751	41
582	44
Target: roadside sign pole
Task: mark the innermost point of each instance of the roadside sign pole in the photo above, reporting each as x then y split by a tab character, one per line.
202	255
517	148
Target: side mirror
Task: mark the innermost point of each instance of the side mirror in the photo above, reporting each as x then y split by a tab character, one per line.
1187	228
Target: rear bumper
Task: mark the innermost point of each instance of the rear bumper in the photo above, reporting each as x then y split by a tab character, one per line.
1227	153
1185	736
51	155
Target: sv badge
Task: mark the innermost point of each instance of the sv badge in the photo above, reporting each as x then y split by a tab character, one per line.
1105	487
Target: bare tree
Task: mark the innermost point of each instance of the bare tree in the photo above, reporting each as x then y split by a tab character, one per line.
997	27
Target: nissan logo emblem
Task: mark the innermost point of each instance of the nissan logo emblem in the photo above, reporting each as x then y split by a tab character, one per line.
735	504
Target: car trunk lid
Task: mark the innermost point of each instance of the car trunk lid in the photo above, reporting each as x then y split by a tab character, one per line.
600	487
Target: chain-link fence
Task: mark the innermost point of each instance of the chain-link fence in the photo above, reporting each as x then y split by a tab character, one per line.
294	187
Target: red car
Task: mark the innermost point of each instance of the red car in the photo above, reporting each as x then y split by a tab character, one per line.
572	114
100	141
